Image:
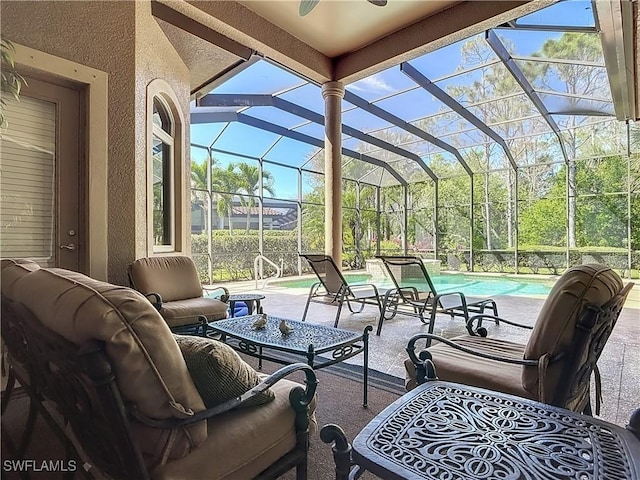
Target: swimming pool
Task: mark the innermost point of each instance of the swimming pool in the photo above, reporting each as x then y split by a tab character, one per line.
470	285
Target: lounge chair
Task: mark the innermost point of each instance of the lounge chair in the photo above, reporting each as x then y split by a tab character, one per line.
414	294
333	289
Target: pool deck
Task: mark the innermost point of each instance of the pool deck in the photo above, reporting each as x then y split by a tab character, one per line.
619	363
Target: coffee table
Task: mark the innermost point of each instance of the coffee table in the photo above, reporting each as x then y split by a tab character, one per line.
249	298
448	430
307	339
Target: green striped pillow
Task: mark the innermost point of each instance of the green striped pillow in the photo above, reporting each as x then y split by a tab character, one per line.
218	371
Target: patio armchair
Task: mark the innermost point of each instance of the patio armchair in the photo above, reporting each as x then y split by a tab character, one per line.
415	294
333	289
130	400
562	351
172	285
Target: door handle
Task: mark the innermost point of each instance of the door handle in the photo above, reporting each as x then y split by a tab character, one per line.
69	246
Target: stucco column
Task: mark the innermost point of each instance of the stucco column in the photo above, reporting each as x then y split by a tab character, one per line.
332	92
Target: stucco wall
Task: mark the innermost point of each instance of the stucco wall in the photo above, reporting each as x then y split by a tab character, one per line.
122	39
156	58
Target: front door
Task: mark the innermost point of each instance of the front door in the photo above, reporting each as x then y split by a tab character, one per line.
40	176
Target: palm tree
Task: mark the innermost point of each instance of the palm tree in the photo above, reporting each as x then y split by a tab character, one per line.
249	178
199	182
199	175
225	180
198	185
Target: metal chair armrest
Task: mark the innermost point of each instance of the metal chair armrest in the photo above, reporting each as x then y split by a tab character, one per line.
358	286
299	398
424	356
224	296
341	447
315	286
480	330
413	293
447	294
463	300
155	299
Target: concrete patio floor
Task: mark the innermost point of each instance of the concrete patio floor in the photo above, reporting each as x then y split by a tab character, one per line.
619	364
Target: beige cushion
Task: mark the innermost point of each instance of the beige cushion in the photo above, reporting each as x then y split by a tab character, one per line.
242	442
555	327
218	371
457	366
187	312
149	367
12	270
174	277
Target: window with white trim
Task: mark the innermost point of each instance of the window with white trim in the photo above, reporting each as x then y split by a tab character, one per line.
163	181
165	137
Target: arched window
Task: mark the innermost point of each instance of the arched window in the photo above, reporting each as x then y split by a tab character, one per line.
164	169
163	224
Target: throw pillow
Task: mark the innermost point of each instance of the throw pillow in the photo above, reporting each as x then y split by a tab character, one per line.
218	371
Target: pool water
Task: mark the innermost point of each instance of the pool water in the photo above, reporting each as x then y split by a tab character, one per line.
470	285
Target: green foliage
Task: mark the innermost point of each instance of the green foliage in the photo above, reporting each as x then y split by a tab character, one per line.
12	81
313	226
249	184
388	247
199	175
601	208
542	223
240	179
233	253
592	192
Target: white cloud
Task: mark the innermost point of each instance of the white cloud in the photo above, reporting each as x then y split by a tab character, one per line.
373	83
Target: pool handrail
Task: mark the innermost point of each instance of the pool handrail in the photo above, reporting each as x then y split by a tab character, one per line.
268	279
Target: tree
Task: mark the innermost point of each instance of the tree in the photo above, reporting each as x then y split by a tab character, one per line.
602	204
579	80
491	94
541	220
313	218
198	175
227	184
199	183
249	183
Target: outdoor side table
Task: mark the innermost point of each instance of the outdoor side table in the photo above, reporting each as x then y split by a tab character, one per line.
448	430
251	299
307	339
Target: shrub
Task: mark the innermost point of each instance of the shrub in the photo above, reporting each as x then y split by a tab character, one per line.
233	254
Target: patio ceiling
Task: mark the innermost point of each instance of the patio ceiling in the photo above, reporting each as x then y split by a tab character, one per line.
423	117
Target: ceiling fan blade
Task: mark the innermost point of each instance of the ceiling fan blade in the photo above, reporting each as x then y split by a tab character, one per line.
378	3
306	6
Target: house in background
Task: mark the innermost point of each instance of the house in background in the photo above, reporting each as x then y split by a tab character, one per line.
109	87
276	215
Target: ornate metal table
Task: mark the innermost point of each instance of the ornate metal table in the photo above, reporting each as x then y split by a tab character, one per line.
443	430
249	299
307	339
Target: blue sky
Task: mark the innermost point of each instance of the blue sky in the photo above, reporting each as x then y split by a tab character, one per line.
265	78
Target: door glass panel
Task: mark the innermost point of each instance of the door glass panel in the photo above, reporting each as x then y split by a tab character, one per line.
27	181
